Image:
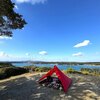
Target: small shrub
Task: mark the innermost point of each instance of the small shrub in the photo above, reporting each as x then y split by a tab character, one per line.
91	71
70	70
45	69
10	71
37	69
4	64
85	72
42	69
32	68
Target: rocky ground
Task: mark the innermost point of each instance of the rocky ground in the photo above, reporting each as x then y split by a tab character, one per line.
25	87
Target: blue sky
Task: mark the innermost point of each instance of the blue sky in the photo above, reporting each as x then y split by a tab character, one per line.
57	30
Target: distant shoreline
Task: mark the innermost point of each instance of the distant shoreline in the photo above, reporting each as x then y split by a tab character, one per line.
59	63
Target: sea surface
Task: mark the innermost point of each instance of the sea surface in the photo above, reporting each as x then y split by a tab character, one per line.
62	67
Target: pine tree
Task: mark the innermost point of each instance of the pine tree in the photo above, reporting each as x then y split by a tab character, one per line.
9	19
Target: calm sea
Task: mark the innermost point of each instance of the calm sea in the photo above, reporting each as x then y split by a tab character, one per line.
62	67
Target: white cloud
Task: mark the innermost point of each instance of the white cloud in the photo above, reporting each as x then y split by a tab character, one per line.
8	57
16	7
3	54
84	43
31	1
77	54
5	37
43	53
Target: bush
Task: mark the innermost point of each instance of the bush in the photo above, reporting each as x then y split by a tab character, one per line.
91	71
42	69
32	68
6	72
3	64
37	69
10	71
85	71
71	70
45	69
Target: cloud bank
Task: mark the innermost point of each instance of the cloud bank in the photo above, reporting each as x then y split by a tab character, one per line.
82	44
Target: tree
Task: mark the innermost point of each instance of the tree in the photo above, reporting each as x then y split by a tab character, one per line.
9	19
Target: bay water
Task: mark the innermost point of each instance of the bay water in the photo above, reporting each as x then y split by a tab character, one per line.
61	67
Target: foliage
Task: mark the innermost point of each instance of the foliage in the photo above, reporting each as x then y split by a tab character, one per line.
11	71
42	69
8	70
71	70
37	69
91	71
9	19
3	64
32	68
85	71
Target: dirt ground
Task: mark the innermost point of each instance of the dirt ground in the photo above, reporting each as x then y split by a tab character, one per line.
25	87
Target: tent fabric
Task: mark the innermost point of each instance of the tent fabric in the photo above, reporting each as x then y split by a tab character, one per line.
65	81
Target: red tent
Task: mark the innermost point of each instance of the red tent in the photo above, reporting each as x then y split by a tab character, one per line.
66	81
